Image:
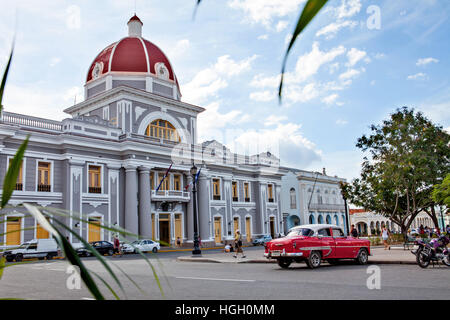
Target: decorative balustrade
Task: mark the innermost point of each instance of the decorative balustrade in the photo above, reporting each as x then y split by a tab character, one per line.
95	189
29	121
170	194
44	187
326	206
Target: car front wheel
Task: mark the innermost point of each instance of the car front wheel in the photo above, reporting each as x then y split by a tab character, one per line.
19	257
110	252
314	260
362	257
284	263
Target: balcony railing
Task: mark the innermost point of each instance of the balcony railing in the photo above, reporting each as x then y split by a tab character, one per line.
29	121
44	187
19	186
270	199
247	199
216	197
170	194
235	199
326	207
95	189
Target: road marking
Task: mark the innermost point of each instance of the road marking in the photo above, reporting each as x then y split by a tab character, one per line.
84	298
215	279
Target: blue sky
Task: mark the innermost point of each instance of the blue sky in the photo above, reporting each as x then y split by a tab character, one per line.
344	73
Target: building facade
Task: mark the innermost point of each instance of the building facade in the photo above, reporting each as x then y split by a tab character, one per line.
106	161
370	223
311	198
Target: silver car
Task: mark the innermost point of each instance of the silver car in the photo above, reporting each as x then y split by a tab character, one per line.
145	245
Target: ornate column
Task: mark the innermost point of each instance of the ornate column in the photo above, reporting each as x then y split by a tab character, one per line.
131	200
75	198
113	197
190	212
203	207
145	219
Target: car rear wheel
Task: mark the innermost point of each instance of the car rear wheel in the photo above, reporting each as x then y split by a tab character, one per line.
314	260
49	256
362	257
284	263
155	250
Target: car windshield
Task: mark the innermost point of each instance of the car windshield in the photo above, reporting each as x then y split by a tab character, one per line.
134	243
24	245
300	232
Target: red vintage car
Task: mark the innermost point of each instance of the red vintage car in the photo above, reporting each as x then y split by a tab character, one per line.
316	242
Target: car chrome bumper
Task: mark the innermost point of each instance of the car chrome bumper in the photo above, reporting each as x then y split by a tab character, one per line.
283	254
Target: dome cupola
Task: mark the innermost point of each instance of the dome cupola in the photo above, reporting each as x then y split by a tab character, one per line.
135	57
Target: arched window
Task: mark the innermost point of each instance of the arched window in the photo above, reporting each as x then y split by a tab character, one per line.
328	219
320	219
162	129
293	199
311	219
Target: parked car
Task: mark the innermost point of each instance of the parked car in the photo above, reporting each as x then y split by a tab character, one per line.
143	245
103	247
36	248
314	243
261	239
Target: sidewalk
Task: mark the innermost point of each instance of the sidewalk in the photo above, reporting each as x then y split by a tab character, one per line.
379	256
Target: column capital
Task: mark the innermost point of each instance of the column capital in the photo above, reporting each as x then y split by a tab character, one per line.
144	170
74	162
130	167
112	166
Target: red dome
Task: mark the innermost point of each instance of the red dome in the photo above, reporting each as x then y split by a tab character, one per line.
131	54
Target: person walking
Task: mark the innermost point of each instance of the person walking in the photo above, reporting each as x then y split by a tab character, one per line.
238	244
178	242
385	236
117	248
354	232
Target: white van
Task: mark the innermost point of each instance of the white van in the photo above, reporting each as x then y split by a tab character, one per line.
36	248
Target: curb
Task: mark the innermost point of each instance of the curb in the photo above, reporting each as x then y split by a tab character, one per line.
184	259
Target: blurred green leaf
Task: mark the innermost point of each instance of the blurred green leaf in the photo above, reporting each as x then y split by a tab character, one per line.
2	265
9	182
5	76
311	8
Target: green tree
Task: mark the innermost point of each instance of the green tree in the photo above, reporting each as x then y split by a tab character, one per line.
441	192
407	156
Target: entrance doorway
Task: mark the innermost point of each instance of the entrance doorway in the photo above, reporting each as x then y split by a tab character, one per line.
164	229
272	227
217	230
248	229
94	229
178	230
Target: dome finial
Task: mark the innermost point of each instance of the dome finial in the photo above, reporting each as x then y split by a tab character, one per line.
135	27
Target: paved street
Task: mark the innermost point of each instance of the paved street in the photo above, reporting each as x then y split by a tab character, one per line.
194	280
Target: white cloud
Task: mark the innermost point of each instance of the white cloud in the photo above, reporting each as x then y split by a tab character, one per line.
348	8
349	74
54	61
73	17
333	28
330	99
341	122
263	37
179	49
38	102
284	141
281	25
274	120
263	96
354	55
260	81
209	81
308	64
417	76
265	11
425	61
296	93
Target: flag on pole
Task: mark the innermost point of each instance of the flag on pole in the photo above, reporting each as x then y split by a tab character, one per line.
195	180
165	175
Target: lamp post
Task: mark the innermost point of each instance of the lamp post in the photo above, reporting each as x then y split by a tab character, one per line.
343	185
196	252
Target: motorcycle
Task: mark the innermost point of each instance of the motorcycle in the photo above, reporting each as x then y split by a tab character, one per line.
434	251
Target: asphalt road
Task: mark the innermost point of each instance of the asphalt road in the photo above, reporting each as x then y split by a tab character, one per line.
195	280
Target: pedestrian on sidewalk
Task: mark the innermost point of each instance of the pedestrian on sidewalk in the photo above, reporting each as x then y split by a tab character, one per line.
117	248
227	248
238	244
199	242
178	242
354	232
385	236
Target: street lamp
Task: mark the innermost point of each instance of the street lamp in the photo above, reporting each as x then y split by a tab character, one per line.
196	252
342	185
